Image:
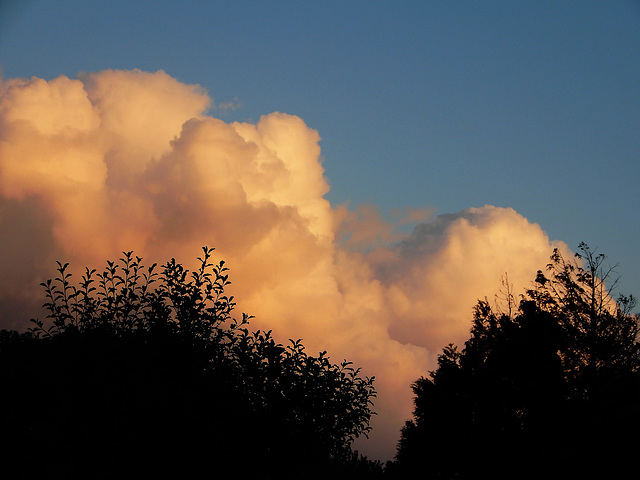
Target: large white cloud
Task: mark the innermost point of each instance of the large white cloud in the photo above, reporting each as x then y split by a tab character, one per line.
130	160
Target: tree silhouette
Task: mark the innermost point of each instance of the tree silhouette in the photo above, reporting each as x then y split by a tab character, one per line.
602	334
140	371
545	390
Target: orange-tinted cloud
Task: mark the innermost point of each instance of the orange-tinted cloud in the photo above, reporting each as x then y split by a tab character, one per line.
130	160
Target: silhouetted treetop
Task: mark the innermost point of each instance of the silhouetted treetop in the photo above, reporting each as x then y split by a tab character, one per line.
547	388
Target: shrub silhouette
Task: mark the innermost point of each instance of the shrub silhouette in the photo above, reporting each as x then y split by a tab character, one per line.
547	389
136	370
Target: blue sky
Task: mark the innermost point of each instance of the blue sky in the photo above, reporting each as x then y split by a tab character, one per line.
533	105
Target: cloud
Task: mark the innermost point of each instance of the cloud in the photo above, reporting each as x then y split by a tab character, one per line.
446	264
231	105
131	160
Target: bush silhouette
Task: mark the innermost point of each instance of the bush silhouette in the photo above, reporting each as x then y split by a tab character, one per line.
136	370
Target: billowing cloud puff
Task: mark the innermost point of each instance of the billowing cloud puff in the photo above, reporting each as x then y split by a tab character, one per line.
127	160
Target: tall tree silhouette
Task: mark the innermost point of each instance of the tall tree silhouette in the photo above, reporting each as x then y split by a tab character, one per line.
602	334
548	388
140	371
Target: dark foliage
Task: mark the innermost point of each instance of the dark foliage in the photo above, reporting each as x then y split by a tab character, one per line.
142	373
546	390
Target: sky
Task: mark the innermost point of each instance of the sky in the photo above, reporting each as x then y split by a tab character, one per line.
366	169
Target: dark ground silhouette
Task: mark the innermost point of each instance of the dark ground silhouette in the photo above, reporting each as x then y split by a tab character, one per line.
139	372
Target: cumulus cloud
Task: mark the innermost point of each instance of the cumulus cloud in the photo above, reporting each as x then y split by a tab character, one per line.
131	160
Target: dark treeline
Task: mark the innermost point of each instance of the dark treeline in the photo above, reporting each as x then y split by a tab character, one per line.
142	372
